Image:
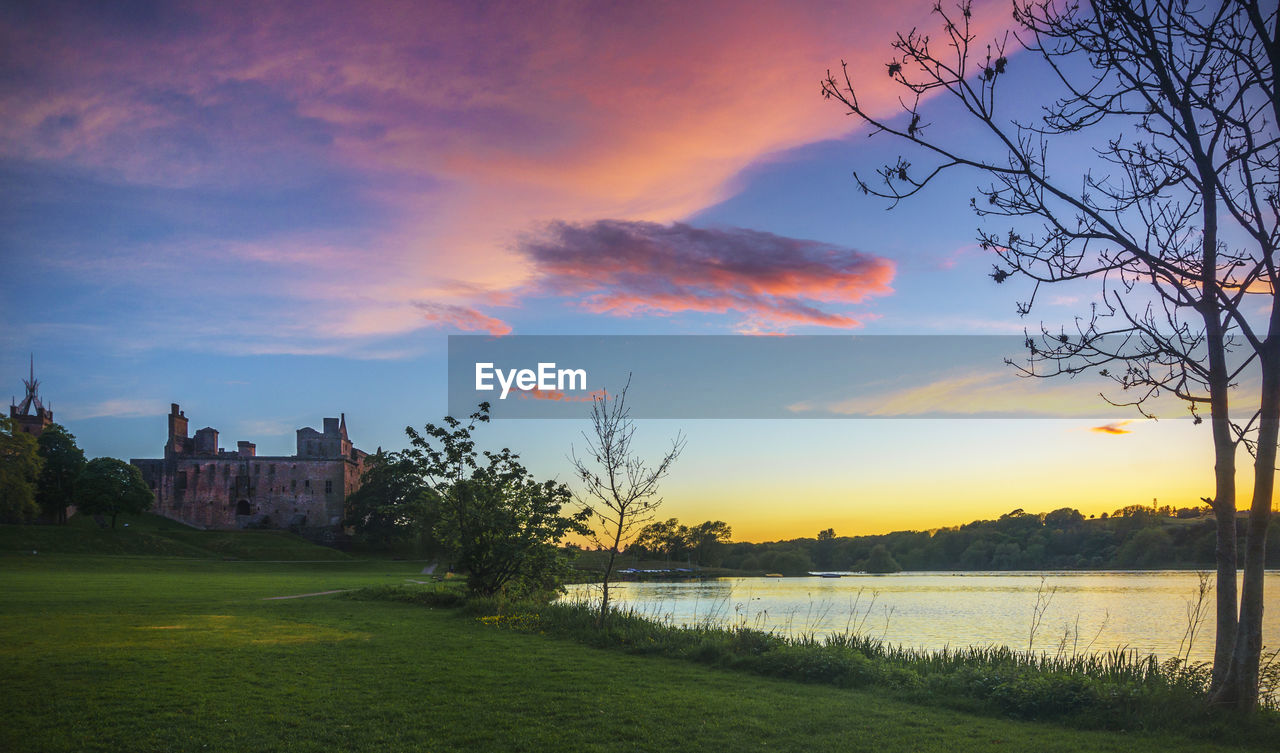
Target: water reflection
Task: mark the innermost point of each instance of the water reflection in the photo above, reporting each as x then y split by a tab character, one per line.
1145	611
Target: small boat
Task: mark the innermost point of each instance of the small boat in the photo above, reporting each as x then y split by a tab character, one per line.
773	575
830	575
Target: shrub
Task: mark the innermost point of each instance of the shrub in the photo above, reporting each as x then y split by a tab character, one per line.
834	665
450	598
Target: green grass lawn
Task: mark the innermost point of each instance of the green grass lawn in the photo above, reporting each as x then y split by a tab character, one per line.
151	654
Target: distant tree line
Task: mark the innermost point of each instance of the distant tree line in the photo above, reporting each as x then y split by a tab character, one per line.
702	544
1135	537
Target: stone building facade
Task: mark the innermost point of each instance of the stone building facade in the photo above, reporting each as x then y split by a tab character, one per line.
200	483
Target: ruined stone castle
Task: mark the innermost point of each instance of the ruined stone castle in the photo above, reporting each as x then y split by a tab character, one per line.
200	483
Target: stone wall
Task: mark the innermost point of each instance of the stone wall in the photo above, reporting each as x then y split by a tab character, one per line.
199	484
274	492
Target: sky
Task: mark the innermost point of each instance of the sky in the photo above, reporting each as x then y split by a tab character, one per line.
276	212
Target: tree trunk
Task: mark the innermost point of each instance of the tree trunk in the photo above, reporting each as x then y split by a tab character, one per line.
1241	686
604	592
608	570
1224	500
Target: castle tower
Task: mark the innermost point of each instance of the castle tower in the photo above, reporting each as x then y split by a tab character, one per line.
178	442
31	416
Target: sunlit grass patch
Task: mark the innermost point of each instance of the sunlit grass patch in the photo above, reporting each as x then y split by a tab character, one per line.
94	634
229	630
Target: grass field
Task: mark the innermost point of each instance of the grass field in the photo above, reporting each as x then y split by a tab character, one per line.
151	654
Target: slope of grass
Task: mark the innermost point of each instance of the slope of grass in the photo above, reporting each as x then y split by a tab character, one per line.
82	540
256	545
158	536
142	522
109	654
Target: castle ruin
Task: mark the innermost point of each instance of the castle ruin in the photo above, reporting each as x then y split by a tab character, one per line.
199	483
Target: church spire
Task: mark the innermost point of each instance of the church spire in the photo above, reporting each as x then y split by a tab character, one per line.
31	415
31	401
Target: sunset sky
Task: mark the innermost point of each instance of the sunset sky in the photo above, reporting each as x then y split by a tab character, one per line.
275	212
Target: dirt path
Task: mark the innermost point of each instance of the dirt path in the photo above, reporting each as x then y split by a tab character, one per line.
303	596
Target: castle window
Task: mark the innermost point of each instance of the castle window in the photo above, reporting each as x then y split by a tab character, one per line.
257	468
307	483
271	469
328	487
293	484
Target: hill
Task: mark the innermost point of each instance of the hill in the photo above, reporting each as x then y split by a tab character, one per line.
153	535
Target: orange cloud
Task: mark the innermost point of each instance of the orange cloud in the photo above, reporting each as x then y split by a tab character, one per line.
1115	427
560	396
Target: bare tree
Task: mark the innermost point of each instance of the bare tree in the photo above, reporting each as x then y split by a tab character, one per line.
1176	219
619	487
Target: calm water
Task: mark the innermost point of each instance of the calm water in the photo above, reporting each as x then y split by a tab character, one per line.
1146	611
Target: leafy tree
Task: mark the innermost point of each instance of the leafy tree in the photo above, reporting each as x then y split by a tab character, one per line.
1018	523
393	504
787	561
1177	220
664	537
108	486
19	469
707	539
881	561
1149	547
824	550
620	489
1063	517
498	523
63	462
1008	556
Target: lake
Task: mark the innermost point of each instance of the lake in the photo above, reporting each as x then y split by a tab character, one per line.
1085	611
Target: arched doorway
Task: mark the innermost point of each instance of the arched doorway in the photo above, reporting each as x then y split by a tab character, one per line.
242	507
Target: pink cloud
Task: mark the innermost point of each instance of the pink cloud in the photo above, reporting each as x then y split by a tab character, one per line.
469	123
769	281
963	253
460	317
